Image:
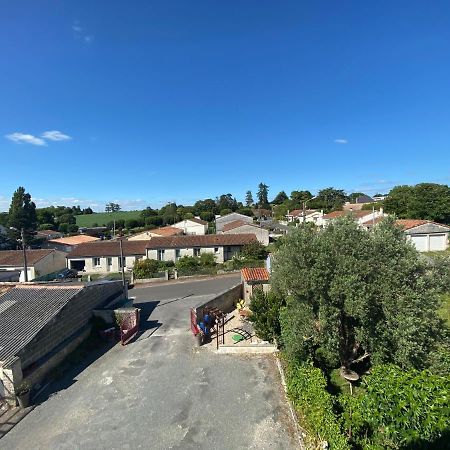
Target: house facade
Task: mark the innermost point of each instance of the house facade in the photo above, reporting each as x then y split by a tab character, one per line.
193	226
223	220
222	246
104	256
240	227
427	236
311	215
360	217
39	262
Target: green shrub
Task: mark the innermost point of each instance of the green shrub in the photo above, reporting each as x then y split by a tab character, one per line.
265	316
187	262
254	251
399	409
145	268
307	389
207	259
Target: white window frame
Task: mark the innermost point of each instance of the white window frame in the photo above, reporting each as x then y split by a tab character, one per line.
96	262
161	253
196	251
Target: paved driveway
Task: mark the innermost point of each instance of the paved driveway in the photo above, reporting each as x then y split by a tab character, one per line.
161	393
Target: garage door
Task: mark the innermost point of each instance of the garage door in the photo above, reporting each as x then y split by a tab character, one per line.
438	242
420	241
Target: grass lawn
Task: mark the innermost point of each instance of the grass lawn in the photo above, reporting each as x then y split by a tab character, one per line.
445	308
87	220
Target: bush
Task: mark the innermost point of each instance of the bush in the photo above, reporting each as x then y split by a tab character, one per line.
399	409
254	251
306	387
207	215
146	268
207	260
265	316
187	262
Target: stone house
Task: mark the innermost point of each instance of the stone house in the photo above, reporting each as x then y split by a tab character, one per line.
42	323
222	246
254	278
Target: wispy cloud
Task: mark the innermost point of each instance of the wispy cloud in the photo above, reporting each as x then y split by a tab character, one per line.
22	138
80	33
341	141
55	135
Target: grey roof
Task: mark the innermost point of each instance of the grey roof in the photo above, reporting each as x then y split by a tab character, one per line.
25	310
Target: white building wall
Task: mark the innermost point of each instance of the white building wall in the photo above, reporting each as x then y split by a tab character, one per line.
190	227
170	253
261	233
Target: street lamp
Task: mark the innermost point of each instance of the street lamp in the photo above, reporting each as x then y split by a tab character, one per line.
25	267
304	207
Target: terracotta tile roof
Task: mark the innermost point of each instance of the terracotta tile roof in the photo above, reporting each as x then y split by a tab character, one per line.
74	240
14	258
235	224
355	214
108	248
207	240
199	221
407	224
299	212
255	274
166	231
376	221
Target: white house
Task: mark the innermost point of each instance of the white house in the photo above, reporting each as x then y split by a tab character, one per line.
240	227
427	236
39	262
311	215
361	217
193	226
222	246
223	220
104	256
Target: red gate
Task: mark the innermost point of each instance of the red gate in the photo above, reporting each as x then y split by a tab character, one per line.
129	326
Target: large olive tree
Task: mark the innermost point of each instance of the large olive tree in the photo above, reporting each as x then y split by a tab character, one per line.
352	295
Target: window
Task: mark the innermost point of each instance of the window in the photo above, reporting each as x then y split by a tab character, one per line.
161	255
121	261
196	252
177	253
216	249
96	262
109	261
137	258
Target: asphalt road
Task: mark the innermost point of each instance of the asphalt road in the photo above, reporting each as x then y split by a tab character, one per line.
161	393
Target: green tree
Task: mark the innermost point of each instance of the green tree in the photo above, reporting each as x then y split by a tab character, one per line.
22	214
263	196
249	199
227	201
280	198
297	199
397	202
265	316
254	251
355	295
329	199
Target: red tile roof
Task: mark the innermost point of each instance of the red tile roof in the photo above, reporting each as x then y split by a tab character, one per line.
376	221
355	214
199	221
255	274
14	258
407	224
166	231
207	240
109	248
74	240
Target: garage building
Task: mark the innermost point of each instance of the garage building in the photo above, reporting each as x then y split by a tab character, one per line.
427	236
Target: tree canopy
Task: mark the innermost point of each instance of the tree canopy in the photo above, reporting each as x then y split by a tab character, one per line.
22	214
263	195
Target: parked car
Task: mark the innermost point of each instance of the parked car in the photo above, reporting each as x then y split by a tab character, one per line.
68	273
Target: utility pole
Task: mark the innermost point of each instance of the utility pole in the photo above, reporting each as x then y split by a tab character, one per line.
25	266
122	263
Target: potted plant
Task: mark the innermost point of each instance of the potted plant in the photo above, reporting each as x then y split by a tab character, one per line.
23	394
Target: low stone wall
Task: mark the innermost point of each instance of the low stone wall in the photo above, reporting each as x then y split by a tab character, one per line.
225	301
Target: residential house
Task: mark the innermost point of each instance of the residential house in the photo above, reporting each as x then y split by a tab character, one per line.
42	323
360	217
104	256
427	236
157	232
311	215
48	234
222	246
223	220
254	278
193	226
39	262
67	244
240	227
262	214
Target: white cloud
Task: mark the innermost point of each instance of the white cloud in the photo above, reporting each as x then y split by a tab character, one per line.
80	33
77	28
22	138
55	135
341	141
88	39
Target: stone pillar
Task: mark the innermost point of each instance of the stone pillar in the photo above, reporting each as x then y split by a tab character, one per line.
11	377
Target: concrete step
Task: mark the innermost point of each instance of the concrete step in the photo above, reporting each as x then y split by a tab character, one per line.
10	418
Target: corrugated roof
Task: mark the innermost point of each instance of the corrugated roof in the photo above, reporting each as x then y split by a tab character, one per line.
74	240
208	240
108	248
25	310
255	274
14	258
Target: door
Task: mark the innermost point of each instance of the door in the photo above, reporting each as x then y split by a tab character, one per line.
420	241
438	242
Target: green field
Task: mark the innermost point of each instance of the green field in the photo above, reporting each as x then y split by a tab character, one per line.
102	219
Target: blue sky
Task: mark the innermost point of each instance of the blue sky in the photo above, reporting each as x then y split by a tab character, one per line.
145	102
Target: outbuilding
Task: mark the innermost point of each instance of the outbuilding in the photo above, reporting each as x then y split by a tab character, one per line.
427	236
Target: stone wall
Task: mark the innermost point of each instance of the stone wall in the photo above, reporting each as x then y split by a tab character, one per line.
224	301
